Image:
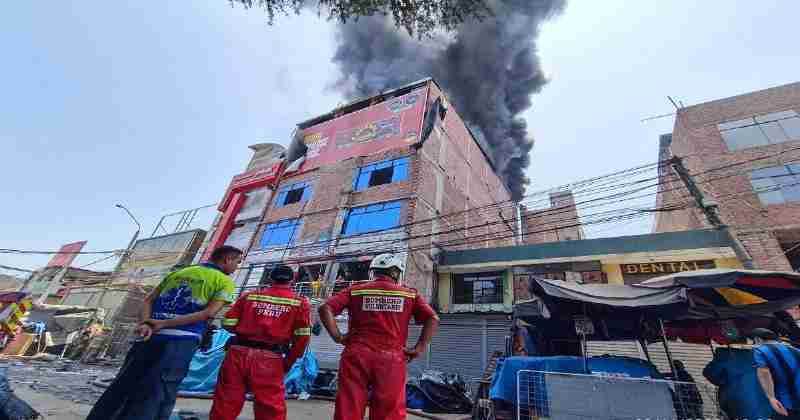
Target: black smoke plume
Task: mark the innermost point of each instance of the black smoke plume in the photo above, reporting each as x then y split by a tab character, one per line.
488	69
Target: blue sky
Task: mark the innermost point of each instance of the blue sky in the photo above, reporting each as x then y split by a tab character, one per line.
152	104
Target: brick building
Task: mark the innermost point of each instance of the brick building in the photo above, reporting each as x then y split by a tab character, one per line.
754	139
397	172
557	223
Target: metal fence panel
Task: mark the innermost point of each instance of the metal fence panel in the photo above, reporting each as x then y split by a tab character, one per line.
568	396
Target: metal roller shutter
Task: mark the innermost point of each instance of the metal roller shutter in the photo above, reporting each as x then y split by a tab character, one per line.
416	367
326	351
614	348
459	348
496	338
695	357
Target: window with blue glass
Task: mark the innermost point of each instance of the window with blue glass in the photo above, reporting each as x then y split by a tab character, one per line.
294	193
381	173
372	218
283	233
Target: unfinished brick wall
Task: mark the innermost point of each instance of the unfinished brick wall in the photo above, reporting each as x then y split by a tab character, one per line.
554	224
697	139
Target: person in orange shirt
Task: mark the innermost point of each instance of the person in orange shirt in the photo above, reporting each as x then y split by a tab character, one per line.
372	369
269	323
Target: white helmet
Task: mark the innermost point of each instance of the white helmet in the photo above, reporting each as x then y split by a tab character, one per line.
388	261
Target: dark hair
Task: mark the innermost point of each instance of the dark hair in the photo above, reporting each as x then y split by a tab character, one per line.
223	252
281	274
392	272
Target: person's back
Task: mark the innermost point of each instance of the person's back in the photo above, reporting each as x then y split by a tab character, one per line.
783	362
268	323
777	367
187	291
372	369
173	319
379	314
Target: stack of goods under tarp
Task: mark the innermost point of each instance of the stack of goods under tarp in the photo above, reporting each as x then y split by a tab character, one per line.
436	392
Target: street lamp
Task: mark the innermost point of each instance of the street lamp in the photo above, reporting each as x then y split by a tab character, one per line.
120	206
133	240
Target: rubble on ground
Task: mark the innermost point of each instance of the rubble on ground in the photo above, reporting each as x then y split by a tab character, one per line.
64	379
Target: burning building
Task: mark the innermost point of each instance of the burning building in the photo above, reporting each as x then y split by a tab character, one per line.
397	172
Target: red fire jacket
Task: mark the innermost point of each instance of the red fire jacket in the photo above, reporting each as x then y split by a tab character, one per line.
273	315
380	312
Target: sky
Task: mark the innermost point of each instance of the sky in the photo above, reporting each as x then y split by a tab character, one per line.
153	104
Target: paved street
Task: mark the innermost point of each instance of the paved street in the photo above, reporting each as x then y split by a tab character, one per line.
61	409
63	391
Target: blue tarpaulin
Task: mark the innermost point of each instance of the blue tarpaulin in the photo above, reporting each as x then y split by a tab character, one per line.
205	366
302	374
204	369
504	382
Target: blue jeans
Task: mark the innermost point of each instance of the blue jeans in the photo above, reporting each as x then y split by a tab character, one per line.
147	384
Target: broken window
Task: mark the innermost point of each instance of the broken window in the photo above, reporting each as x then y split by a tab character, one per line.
310	280
381	173
294	193
349	273
372	218
773	128
474	288
283	233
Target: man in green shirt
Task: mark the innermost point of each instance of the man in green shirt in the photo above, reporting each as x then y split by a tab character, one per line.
174	317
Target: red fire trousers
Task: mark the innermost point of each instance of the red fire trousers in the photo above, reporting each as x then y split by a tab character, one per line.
374	377
261	372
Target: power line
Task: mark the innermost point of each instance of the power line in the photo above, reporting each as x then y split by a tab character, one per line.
591	186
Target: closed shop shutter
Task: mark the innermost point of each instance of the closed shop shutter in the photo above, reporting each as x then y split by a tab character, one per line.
695	357
496	337
416	367
326	350
614	348
459	348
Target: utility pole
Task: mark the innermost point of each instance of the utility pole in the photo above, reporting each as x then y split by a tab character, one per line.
711	211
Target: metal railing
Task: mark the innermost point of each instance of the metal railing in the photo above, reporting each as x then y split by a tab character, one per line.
555	395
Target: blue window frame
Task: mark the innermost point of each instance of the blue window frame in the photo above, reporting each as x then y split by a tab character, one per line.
372	218
381	173
294	193
283	233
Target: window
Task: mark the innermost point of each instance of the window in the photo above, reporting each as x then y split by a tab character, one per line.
294	193
478	288
777	184
777	127
381	173
372	218
283	233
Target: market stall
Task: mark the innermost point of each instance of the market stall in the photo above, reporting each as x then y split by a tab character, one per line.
704	306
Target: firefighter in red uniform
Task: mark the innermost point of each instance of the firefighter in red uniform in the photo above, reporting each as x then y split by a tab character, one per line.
268	323
372	369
